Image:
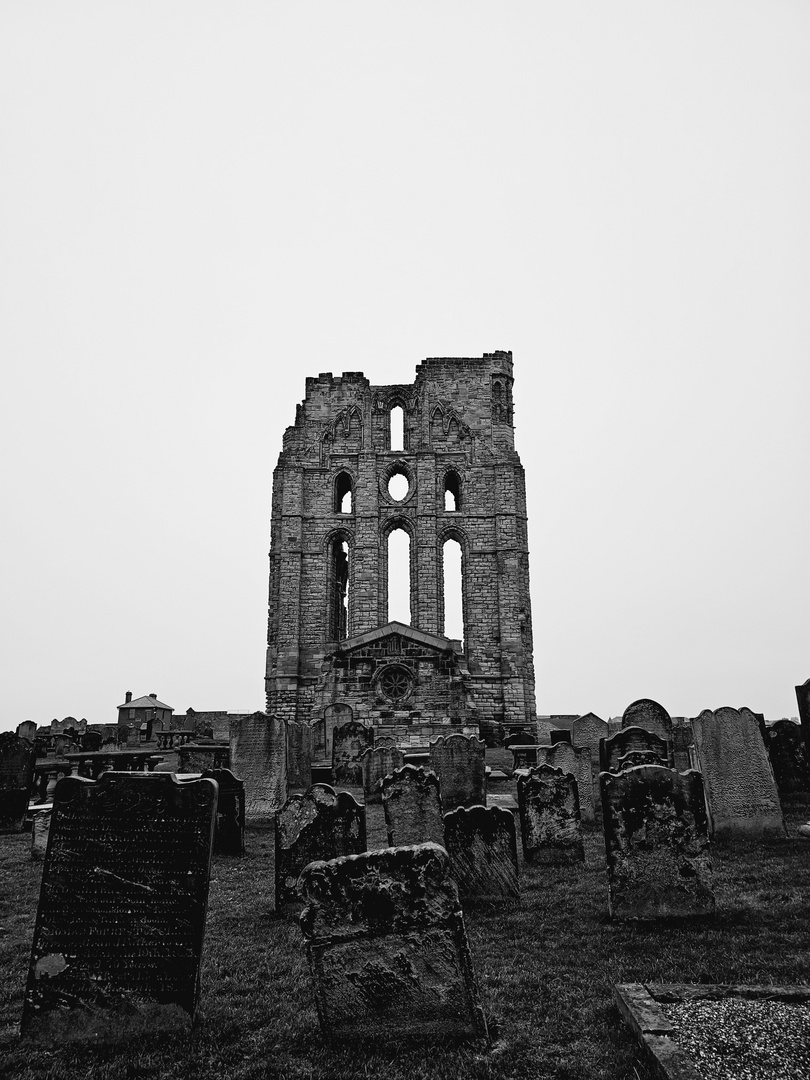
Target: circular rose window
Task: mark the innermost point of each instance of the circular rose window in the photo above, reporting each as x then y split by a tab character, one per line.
395	683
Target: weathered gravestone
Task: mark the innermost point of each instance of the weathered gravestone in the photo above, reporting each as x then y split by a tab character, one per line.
320	824
119	928
412	804
657	844
559	735
17	760
519	738
384	740
588	731
648	714
631	739
91	742
740	788
548	804
387	948
376	763
323	726
681	743
40	827
229	838
299	754
482	844
788	757
803	701
577	761
348	743
259	758
459	763
27	730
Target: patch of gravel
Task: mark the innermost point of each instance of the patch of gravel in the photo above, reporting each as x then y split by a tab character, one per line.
744	1039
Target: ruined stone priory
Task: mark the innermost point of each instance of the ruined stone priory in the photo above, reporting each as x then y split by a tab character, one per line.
436	459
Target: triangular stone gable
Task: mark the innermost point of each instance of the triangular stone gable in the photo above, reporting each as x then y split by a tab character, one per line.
398	636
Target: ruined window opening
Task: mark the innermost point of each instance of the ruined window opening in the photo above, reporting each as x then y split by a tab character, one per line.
399	576
453	590
397	428
343	493
339	590
452	491
398	484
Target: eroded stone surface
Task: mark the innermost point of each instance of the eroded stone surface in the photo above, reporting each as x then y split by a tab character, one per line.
413	806
319	824
387	947
348	745
788	757
648	714
40	828
121	914
17	758
657	844
628	740
259	758
376	763
458	761
577	761
588	730
549	809
740	787
482	845
299	754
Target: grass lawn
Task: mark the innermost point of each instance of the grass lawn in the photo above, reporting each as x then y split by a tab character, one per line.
545	967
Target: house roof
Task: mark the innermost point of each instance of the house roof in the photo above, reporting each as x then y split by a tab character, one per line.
145	702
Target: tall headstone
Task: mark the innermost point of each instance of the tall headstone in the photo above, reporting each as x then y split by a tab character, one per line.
657	844
387	948
320	824
681	743
27	730
412	804
648	714
119	928
785	746
482	844
459	763
740	788
17	760
631	739
322	727
349	741
548	804
299	753
589	730
803	701
577	761
259	758
376	763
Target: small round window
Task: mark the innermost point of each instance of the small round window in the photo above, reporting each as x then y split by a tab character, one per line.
395	683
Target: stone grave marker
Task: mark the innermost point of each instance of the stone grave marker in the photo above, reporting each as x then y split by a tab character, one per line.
91	742
803	701
588	730
322	727
319	824
648	714
376	763
630	739
40	827
657	844
387	948
519	738
548	804
482	844
458	761
27	730
119	928
229	837
786	751
17	760
299	754
740	788
681	742
258	757
559	735
577	761
384	740
412	804
348	743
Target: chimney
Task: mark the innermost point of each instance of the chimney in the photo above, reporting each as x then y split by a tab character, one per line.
154	696
128	697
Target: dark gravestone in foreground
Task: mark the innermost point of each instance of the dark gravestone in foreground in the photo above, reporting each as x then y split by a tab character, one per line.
628	740
803	701
229	838
788	757
348	743
648	714
548	803
657	844
17	760
482	844
412	805
387	947
376	763
320	824
121	915
458	761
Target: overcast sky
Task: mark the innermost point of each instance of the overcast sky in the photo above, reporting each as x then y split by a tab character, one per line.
203	203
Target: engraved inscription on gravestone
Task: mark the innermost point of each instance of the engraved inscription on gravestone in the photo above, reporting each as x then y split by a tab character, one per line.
387	948
548	803
459	763
482	844
259	758
119	928
17	759
412	804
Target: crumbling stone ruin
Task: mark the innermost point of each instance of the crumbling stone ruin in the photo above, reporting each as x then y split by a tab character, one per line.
336	503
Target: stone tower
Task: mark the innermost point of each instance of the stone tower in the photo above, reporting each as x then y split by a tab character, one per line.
330	645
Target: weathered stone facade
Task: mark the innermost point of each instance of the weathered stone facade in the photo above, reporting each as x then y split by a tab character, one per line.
329	639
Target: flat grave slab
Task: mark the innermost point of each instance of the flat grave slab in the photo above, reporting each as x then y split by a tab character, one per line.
704	1031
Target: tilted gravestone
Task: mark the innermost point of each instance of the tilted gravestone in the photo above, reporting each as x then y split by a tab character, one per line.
387	948
803	701
740	788
577	761
320	824
459	763
348	743
788	757
376	763
17	760
412	804
548	804
482	844
648	714
630	739
259	758
299	754
119	928
229	838
657	844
